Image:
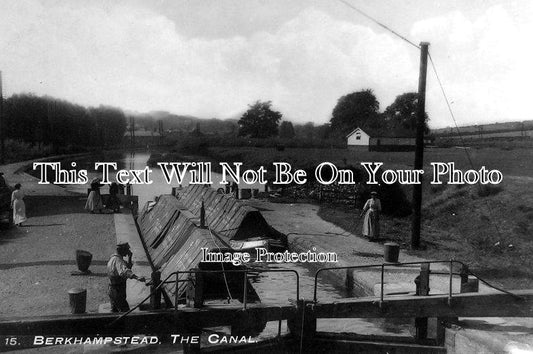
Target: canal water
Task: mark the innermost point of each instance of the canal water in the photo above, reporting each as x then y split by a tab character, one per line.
138	161
280	287
277	288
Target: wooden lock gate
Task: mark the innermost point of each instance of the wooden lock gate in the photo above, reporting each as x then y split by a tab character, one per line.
301	315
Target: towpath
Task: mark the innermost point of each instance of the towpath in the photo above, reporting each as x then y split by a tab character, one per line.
14	173
36	260
306	230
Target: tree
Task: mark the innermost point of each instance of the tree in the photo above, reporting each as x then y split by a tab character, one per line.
357	109
110	125
323	131
308	130
42	121
402	112
259	121
286	130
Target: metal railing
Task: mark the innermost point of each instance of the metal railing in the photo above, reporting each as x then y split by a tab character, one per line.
177	281
466	271
245	279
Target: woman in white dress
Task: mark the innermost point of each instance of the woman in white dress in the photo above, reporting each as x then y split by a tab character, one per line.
19	208
371	211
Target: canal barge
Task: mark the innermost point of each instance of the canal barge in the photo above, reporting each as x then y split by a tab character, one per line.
175	239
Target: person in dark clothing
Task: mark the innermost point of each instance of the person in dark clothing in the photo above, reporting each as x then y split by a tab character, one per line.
113	202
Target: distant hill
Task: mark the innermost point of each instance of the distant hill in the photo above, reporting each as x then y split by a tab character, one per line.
183	123
187	123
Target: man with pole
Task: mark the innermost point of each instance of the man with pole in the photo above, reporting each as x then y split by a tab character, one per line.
119	271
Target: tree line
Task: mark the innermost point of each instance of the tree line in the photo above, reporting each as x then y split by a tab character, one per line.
61	125
356	109
47	121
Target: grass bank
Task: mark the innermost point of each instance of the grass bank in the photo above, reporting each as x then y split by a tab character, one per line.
490	231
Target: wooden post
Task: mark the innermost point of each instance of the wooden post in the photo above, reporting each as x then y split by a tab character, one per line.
422	289
303	325
235	190
419	152
469	284
155	295
195	290
348	283
77	300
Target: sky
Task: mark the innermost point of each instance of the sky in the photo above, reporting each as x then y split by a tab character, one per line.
213	58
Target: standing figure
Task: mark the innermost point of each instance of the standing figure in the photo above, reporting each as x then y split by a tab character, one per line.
371	211
118	271
18	206
94	201
113	202
120	188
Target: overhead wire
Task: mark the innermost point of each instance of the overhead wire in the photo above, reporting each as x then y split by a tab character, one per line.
448	105
379	23
433	66
441	88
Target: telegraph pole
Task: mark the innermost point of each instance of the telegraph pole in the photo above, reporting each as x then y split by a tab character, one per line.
419	151
2	126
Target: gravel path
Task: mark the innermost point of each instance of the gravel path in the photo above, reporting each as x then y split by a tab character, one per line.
37	259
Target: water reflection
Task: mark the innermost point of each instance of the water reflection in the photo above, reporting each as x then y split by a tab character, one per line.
138	161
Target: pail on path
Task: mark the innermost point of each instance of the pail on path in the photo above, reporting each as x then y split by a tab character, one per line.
83	259
77	299
391	252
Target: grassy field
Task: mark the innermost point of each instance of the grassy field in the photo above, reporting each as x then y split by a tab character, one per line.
489	228
511	162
